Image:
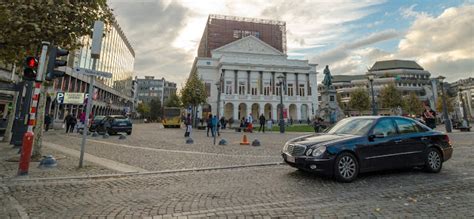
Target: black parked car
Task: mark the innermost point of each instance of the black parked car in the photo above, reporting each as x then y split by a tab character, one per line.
114	124
362	144
95	122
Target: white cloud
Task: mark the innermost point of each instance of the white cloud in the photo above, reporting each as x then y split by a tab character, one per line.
341	53
443	44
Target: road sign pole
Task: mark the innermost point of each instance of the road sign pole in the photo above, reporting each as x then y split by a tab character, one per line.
88	112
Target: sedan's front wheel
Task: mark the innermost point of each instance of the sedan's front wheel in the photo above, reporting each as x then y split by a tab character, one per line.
346	168
433	162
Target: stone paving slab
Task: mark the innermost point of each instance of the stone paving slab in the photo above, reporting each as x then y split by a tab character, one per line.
67	165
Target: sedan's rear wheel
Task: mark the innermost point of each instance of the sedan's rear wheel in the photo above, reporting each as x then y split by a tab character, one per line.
433	162
346	168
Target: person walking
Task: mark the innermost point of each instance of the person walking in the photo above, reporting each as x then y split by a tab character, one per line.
70	123
47	122
215	126
262	123
249	123
187	123
209	124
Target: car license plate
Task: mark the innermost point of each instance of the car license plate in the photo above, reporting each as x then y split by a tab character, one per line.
123	124
290	159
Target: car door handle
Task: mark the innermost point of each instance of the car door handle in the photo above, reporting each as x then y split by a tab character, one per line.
398	141
424	138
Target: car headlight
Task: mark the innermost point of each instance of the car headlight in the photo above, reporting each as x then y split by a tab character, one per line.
318	151
308	152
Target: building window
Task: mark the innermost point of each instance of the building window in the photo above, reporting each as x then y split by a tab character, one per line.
301	90
228	87
266	88
253	89
241	88
290	90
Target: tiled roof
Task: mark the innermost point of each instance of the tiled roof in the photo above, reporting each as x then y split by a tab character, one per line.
395	64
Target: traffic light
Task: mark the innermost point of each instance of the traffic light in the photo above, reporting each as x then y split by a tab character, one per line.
29	72
51	72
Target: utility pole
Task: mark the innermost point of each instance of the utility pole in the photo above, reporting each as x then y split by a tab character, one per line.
95	54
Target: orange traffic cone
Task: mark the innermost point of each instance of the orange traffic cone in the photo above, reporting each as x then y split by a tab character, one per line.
245	141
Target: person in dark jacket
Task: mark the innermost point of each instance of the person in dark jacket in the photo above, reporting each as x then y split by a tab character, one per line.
70	121
47	122
187	123
209	124
262	120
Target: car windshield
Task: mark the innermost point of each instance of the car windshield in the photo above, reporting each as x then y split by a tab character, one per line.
352	126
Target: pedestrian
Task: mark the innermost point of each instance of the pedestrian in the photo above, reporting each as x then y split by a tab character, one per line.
291	121
209	124
47	122
429	116
187	123
316	124
222	122
262	123
215	126
249	123
70	123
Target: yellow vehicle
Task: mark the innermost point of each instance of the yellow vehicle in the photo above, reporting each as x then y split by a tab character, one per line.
171	117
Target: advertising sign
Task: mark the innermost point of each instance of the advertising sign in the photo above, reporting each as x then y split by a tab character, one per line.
73	98
60	97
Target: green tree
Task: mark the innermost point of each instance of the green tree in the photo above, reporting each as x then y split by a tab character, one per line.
390	97
359	100
26	23
173	101
155	109
193	92
449	104
143	109
412	104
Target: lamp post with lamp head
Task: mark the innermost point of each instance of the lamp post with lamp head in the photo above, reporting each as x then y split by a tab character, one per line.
281	80
371	79
447	122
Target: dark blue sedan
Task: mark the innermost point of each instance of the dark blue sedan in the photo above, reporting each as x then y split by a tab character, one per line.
370	143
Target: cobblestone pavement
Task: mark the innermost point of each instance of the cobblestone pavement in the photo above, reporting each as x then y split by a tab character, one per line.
274	191
153	148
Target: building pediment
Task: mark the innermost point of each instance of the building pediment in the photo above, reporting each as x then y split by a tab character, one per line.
249	45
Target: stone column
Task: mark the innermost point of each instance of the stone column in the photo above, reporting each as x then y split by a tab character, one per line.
296	85
248	82
235	81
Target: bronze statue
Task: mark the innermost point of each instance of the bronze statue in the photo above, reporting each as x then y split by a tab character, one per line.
327	77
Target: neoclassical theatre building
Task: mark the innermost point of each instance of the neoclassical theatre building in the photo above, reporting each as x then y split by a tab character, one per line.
249	69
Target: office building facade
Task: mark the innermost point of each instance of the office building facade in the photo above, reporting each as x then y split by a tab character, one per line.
149	88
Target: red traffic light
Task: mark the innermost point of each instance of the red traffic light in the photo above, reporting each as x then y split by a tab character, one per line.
31	62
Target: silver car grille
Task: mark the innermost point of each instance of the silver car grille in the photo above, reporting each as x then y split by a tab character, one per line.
295	149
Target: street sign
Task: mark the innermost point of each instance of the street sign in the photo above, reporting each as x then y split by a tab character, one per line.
73	98
60	97
92	72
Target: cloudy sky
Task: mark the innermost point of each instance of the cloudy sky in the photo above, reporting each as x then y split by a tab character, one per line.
349	36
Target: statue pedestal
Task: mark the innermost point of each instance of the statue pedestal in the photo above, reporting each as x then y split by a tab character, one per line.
329	109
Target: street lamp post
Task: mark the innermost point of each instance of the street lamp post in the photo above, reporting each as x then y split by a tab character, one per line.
463	105
447	122
281	80
218	84
374	108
